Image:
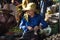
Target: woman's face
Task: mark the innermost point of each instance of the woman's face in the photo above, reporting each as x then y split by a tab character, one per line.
30	12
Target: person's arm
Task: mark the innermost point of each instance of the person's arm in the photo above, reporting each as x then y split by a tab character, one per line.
43	23
22	24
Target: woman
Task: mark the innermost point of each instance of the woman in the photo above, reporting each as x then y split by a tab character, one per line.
30	23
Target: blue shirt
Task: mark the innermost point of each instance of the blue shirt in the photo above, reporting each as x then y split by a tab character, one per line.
34	21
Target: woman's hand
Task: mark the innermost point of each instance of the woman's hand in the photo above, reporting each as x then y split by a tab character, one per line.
36	28
30	28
